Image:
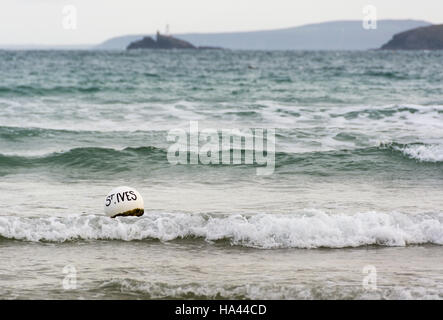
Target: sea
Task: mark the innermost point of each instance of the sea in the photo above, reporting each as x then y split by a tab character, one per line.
353	208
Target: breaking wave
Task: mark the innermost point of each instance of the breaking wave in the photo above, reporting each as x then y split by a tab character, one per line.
422	152
99	159
313	229
157	290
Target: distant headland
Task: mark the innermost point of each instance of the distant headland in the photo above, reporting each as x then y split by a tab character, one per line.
331	35
423	38
164	42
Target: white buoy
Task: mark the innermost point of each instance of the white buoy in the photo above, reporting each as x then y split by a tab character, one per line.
124	201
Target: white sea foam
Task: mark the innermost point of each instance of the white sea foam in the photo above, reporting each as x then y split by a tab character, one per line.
308	230
308	129
164	116
264	290
425	153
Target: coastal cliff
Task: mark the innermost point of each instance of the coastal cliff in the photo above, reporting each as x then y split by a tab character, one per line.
424	38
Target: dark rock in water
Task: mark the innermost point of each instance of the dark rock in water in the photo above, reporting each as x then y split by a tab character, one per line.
145	43
424	38
163	42
169	42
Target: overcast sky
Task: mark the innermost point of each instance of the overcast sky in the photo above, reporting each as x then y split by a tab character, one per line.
45	22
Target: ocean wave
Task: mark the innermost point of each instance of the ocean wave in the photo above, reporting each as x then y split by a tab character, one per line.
169	113
97	159
158	290
92	158
387	74
422	152
23	90
311	229
20	133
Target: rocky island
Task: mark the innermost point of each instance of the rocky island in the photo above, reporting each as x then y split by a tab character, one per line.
164	42
423	38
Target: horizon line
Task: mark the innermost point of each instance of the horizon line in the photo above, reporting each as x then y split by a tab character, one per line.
85	45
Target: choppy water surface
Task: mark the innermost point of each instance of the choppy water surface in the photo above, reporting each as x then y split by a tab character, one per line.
358	176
